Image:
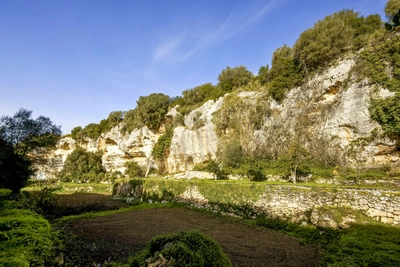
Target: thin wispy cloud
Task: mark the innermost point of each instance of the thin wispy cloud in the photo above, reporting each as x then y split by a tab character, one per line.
167	50
186	45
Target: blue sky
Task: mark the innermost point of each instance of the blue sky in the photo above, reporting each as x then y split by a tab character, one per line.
76	61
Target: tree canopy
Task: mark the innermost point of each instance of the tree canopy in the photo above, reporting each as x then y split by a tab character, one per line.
233	78
24	142
82	166
150	111
333	36
94	130
285	73
392	8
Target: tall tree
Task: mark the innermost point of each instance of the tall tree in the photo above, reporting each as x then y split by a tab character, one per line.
285	73
24	143
392	7
296	155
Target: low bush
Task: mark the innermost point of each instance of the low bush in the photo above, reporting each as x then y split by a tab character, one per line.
186	249
133	170
83	166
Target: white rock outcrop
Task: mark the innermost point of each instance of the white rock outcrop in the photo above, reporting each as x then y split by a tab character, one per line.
117	148
195	142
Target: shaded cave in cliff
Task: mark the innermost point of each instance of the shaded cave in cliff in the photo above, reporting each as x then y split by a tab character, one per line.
111	142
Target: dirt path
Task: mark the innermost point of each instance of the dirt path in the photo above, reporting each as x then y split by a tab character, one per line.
127	232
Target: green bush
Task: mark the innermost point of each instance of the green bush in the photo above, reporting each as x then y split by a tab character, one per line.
94	130
186	249
216	168
83	166
161	148
256	173
15	169
232	78
195	97
231	154
5	194
391	8
133	170
381	64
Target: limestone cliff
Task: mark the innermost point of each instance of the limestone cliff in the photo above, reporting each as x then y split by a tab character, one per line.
117	148
332	106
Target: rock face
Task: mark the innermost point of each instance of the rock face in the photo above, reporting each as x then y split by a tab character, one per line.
117	148
332	105
195	142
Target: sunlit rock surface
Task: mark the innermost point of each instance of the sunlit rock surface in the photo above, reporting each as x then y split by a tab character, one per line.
332	105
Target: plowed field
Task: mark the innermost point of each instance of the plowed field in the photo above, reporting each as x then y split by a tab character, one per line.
118	235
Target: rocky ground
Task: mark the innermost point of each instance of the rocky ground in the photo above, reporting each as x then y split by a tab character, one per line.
116	236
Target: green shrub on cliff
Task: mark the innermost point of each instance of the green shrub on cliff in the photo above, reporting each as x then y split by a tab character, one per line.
381	64
195	97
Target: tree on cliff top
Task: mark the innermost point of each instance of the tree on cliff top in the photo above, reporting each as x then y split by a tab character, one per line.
392	8
150	111
233	78
24	142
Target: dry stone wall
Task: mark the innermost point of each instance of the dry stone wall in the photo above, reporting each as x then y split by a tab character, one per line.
293	203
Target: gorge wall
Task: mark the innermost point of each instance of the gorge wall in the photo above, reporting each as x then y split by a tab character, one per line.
332	106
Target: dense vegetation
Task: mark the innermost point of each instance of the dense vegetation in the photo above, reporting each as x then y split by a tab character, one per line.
381	64
24	144
83	166
133	170
150	111
94	130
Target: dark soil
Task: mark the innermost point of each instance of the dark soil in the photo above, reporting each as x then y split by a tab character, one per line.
78	203
118	235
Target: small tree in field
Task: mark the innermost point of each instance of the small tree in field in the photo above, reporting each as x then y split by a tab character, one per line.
355	153
215	168
133	170
296	154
